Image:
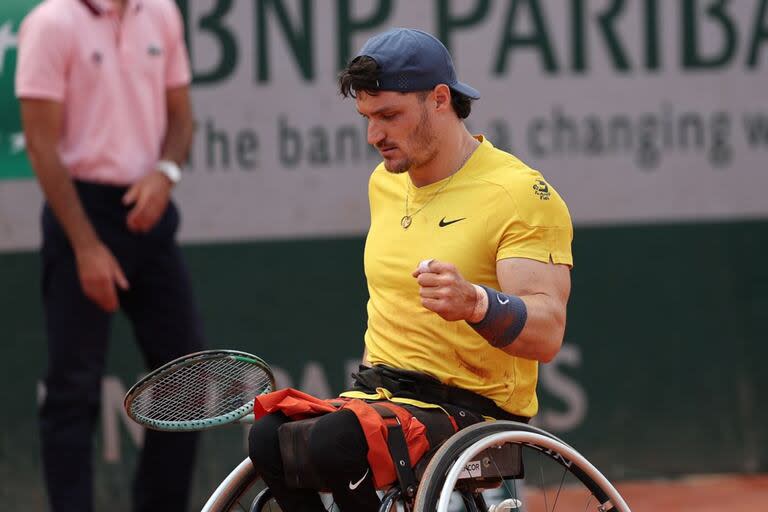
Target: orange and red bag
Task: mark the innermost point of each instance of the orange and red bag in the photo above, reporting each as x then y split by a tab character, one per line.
394	433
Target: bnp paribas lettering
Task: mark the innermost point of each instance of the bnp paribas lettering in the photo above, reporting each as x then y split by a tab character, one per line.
613	27
563	36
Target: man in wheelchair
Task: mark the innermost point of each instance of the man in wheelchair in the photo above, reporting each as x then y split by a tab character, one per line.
467	261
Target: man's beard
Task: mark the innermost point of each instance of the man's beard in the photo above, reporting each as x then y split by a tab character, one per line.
422	137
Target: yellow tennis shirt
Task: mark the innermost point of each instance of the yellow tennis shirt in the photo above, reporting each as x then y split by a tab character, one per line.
494	207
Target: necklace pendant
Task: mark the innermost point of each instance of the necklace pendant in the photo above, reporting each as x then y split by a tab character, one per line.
405	221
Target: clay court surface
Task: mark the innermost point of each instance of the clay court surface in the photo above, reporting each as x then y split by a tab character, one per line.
716	493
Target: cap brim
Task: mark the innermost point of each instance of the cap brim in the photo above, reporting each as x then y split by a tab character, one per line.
466	90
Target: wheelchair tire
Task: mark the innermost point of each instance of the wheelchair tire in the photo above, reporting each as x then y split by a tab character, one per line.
230	493
442	472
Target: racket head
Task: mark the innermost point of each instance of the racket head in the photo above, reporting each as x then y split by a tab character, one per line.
199	391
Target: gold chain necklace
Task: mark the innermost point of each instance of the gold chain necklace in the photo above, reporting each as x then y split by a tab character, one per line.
407	219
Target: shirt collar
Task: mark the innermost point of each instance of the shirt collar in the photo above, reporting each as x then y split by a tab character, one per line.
101	7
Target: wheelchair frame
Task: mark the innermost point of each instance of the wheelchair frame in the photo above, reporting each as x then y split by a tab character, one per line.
443	472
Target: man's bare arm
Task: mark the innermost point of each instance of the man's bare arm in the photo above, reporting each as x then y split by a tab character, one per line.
543	288
97	268
42	121
150	195
178	136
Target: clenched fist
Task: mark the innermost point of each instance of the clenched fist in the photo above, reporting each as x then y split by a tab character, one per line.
444	291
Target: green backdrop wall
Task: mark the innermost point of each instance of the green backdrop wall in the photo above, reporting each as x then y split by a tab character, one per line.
661	373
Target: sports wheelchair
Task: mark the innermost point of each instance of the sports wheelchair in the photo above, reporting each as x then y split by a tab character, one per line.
487	467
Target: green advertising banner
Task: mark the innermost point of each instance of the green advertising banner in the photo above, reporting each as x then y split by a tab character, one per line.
13	159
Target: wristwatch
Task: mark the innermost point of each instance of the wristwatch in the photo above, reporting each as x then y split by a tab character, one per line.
170	169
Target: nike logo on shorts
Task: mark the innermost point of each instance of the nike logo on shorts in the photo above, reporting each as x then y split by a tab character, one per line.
353	486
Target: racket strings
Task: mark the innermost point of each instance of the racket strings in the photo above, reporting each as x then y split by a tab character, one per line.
202	390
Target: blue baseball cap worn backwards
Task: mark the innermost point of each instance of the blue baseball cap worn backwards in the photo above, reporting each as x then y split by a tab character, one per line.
412	60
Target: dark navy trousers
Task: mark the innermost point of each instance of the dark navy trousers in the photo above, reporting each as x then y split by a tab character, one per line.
166	325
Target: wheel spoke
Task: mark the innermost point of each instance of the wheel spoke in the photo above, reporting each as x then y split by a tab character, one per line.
560	487
589	500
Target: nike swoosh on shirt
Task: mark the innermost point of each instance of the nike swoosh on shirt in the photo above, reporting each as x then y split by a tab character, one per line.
444	222
353	486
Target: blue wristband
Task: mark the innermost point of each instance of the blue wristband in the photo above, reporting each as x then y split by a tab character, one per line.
504	320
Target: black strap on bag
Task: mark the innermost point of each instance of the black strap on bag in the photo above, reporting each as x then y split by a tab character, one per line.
398	450
419	386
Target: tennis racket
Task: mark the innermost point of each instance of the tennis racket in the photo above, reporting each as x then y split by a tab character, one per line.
199	391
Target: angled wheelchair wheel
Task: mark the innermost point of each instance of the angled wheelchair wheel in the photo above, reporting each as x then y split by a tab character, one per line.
241	491
509	466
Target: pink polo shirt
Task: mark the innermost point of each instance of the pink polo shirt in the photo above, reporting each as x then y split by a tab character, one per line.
111	75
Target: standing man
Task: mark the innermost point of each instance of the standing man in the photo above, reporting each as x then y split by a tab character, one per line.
105	105
467	260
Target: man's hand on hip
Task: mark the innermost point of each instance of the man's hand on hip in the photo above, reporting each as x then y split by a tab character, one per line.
444	291
99	272
149	197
